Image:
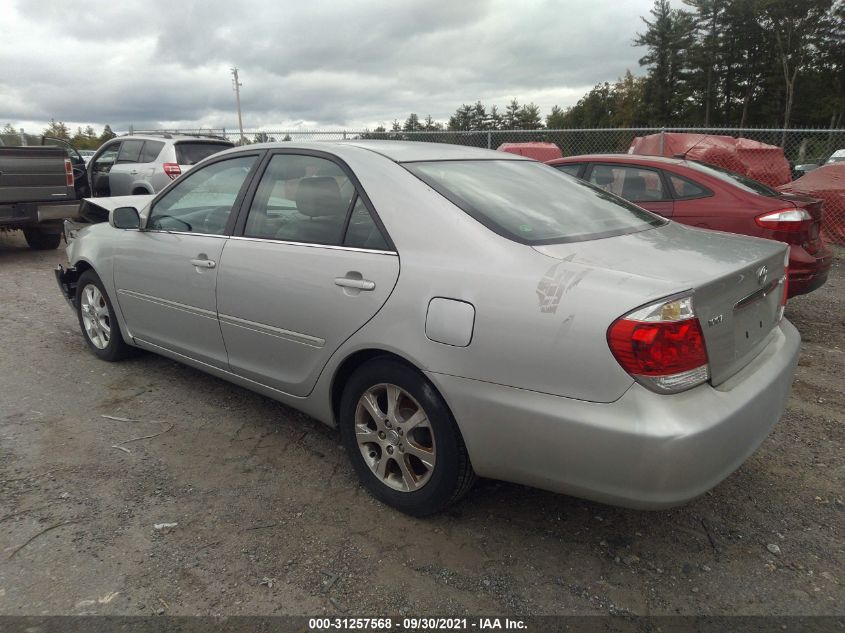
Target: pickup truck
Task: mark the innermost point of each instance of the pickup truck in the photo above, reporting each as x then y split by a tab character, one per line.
40	186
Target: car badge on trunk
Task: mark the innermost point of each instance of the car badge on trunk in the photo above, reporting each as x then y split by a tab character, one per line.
762	275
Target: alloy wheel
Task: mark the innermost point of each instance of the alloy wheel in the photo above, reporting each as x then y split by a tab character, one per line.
95	316
395	437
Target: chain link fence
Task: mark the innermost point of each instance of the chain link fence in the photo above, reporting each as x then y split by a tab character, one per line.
776	157
773	156
799	145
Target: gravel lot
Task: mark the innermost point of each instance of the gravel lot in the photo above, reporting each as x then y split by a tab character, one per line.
271	520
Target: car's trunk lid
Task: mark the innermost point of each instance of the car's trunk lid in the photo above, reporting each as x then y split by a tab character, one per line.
735	281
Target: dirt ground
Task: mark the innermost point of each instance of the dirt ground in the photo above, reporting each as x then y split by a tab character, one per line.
271	519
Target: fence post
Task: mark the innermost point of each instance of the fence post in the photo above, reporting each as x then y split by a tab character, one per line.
23	138
489	139
662	140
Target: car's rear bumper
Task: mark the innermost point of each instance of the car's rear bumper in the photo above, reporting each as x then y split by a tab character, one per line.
24	214
645	450
808	271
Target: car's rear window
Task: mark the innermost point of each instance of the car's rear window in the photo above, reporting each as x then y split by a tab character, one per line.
738	180
532	203
188	153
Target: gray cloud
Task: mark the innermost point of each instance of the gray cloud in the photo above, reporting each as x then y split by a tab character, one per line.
319	63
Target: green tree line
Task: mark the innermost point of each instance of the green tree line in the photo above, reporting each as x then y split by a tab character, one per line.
86	138
745	63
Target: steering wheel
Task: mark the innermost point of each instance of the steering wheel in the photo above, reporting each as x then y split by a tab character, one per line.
215	219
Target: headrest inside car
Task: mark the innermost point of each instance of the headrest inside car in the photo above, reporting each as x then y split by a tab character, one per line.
603	177
319	196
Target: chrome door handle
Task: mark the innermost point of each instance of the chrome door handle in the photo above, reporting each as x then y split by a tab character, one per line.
359	284
204	263
133	172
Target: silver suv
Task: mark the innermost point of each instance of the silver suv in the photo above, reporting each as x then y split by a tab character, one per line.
145	164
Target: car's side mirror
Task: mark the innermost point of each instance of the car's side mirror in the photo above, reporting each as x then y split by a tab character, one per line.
125	218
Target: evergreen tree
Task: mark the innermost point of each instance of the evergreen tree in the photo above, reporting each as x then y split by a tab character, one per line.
462	119
107	134
705	53
57	129
511	118
529	117
412	123
668	37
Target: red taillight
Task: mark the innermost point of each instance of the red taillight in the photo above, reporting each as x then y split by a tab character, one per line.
172	169
658	349
661	345
68	173
789	220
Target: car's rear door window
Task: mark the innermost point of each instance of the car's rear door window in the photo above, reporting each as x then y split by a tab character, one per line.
738	180
202	200
363	232
636	184
190	153
532	203
685	188
150	151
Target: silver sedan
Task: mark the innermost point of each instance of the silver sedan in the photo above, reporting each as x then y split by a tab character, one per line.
455	312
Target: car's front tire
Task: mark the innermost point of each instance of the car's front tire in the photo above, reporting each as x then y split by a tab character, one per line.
97	319
402	439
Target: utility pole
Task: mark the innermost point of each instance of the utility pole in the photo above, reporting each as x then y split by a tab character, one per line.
237	87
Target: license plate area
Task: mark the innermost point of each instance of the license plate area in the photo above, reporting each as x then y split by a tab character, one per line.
754	317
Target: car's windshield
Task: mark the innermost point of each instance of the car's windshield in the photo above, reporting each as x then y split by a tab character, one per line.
743	182
532	203
190	153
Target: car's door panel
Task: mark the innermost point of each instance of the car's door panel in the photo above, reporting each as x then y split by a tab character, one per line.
166	298
166	276
283	313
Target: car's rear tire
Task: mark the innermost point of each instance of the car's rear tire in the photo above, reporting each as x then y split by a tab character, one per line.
402	439
97	319
40	240
140	192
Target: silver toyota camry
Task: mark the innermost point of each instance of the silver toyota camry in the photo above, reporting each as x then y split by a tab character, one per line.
455	312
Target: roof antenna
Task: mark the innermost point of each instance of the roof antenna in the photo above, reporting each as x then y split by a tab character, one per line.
683	156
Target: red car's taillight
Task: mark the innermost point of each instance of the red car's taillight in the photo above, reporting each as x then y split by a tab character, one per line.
172	169
68	173
789	220
661	345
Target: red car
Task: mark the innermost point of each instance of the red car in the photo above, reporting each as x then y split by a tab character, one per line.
711	197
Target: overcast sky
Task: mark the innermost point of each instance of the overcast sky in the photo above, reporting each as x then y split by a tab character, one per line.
304	63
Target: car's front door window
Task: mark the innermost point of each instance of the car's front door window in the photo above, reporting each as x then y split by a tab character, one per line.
106	160
202	201
129	151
